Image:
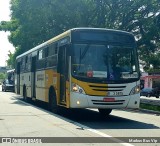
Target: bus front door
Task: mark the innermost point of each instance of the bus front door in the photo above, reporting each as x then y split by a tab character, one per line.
62	62
33	78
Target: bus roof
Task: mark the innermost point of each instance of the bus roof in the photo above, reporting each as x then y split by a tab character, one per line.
54	39
11	70
67	33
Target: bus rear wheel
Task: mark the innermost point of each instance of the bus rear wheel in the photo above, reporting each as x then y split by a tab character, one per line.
25	94
104	112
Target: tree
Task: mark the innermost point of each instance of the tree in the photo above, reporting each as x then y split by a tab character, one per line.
2	76
11	59
34	22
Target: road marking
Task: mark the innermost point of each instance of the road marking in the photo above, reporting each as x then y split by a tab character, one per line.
101	134
80	125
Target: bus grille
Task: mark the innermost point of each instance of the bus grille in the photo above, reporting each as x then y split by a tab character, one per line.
101	102
107	88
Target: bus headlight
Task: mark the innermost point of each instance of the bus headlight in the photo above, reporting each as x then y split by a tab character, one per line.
77	88
135	90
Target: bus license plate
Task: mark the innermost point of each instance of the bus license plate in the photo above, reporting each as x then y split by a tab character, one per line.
115	93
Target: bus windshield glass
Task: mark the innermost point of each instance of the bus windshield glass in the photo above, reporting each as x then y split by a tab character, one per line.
109	62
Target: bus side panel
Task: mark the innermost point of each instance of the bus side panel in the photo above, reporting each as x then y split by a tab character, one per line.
51	80
68	94
27	83
40	85
21	83
15	84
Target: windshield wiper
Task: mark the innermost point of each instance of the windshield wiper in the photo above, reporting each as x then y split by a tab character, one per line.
84	52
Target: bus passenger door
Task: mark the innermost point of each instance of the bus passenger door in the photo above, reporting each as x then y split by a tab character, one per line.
33	77
18	78
63	70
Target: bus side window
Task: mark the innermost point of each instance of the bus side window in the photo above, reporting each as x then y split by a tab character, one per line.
46	52
51	59
28	63
41	59
40	54
22	67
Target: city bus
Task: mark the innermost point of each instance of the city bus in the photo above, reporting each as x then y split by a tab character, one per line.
82	68
11	74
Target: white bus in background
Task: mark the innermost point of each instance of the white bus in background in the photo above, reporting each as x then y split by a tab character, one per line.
11	74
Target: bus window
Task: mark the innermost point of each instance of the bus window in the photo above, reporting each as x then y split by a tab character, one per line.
105	61
41	59
52	50
51	60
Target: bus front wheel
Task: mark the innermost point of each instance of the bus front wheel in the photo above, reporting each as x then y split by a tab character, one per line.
105	112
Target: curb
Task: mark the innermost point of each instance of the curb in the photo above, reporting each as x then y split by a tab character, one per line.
149	111
140	110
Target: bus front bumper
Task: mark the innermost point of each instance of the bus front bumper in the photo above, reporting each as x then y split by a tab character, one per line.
85	101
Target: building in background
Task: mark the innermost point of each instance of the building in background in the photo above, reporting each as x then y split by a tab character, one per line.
150	80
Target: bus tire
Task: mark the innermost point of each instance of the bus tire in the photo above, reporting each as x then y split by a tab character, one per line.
52	105
24	94
104	112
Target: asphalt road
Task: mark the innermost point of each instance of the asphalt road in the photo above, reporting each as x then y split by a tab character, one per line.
18	118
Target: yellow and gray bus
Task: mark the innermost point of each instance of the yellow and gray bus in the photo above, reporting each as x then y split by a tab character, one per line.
82	68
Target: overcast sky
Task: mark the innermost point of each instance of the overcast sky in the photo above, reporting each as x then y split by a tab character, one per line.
5	46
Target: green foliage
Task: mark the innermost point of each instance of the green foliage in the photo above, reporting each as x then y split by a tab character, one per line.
150	107
35	21
11	59
8	26
2	76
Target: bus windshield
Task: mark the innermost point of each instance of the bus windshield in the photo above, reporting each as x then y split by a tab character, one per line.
109	62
